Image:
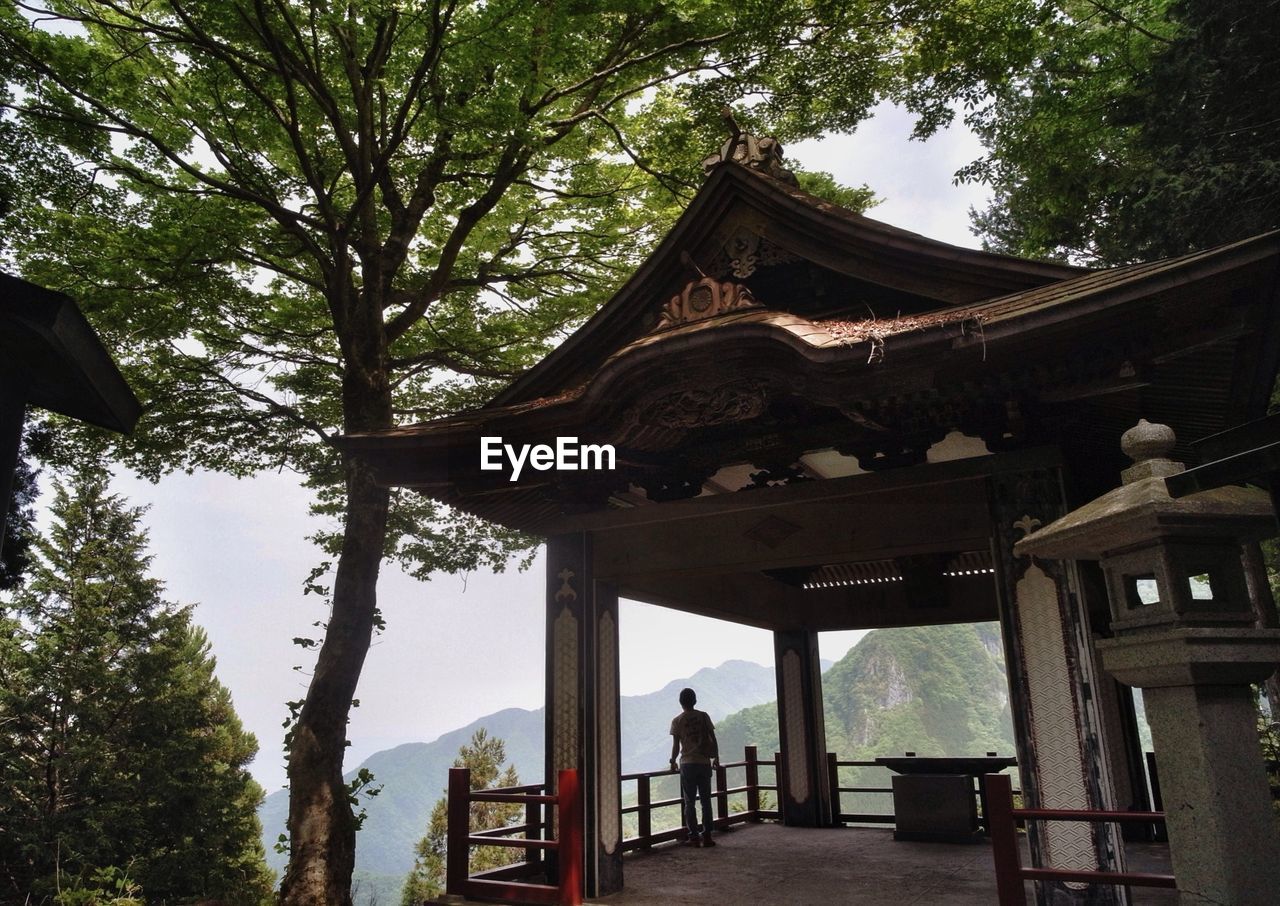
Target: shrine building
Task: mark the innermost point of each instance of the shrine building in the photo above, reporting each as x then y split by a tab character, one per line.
823	422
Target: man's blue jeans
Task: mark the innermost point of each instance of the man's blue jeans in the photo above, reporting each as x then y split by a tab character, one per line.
695	780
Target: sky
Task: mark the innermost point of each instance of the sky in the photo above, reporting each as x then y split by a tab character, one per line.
459	647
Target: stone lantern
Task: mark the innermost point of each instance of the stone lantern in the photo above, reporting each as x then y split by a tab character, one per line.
1184	632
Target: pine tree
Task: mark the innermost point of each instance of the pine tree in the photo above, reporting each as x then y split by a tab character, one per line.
484	756
120	751
19	524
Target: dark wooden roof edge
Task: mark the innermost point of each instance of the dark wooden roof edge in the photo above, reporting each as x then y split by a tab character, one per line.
89	387
613	324
1126	282
909	241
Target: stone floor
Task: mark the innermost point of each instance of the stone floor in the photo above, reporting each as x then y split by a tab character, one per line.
769	865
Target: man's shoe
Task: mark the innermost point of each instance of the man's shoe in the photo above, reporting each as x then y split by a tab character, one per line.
694	840
707	841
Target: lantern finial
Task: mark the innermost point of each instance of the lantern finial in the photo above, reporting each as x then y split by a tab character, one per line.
1149	446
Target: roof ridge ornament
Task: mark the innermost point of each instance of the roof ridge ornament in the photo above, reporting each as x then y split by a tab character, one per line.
764	155
704	298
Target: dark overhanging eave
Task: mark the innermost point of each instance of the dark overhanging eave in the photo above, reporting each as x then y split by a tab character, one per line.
54	359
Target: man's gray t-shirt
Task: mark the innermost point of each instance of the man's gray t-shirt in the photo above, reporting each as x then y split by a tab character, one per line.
697	737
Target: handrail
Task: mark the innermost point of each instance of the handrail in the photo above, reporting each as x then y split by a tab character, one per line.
646	805
568	845
751	763
1010	874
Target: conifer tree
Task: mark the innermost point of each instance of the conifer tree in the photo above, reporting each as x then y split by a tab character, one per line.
120	752
484	755
19	522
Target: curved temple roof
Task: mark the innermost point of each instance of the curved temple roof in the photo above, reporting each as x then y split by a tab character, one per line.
815	328
739	212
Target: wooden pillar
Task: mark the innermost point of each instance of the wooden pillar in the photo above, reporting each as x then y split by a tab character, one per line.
1121	744
804	798
1053	683
582	701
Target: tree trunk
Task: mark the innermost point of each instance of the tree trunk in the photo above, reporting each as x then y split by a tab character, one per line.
322	828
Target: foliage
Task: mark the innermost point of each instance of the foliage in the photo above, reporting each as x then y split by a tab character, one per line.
19	526
244	183
108	886
484	755
935	690
1115	132
932	690
118	746
1269	735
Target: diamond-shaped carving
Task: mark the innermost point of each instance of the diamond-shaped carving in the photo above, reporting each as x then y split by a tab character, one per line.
771	531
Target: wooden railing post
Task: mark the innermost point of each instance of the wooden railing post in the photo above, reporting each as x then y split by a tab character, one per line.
533	823
569	803
457	851
752	759
644	796
833	781
1004	841
722	795
780	784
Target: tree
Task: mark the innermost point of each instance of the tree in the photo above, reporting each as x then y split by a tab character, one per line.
121	755
484	756
1117	131
19	525
297	220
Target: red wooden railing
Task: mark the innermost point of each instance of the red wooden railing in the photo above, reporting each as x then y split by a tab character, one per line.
504	883
1010	874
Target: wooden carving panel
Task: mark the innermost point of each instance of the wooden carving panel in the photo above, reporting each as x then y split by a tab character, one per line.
706	406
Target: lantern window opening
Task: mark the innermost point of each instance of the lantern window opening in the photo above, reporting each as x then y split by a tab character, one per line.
1142	591
1201	587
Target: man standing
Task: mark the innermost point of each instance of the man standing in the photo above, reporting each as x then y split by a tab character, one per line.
693	741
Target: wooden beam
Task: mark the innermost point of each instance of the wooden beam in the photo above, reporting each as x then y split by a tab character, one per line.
764	499
888	523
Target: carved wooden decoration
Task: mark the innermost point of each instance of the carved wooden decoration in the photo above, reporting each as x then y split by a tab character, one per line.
706	406
705	297
743	250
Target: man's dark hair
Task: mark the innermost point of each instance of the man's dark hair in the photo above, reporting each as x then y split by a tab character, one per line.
688	698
